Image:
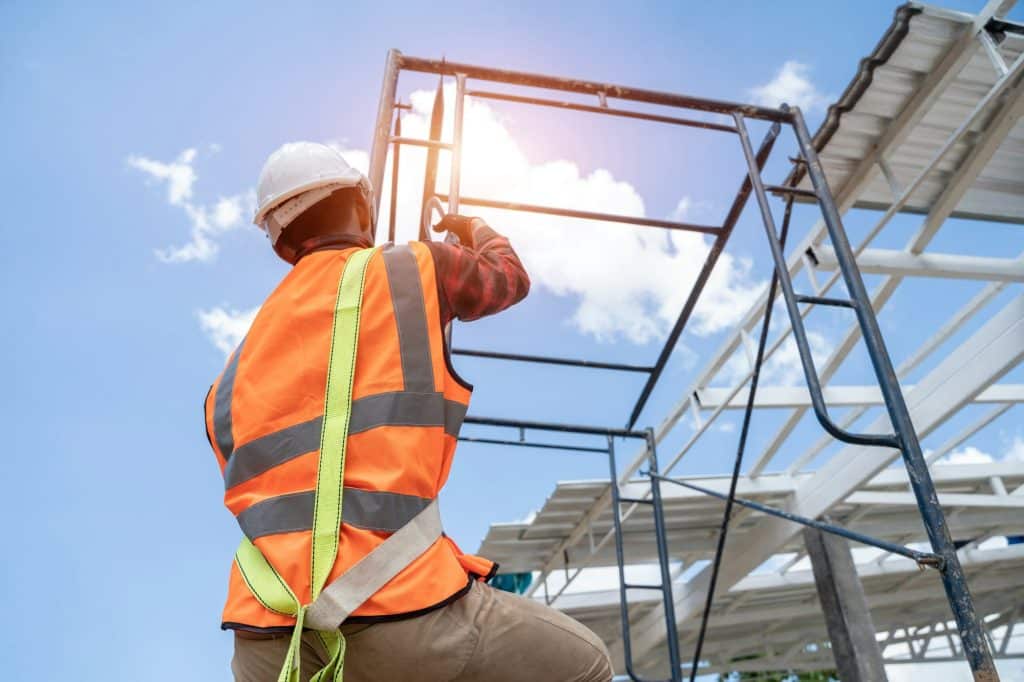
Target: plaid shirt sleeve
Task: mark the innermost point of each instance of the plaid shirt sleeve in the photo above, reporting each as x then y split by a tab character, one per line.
479	281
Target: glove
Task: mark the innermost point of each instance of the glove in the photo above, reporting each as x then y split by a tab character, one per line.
461	226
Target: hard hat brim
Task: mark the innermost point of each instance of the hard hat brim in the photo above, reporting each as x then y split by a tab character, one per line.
352	178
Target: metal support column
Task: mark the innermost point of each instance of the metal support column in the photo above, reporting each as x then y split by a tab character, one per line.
857	654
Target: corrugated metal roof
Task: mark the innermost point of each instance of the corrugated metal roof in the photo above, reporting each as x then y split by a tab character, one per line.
887	79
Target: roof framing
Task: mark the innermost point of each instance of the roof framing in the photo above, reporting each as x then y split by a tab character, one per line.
950	160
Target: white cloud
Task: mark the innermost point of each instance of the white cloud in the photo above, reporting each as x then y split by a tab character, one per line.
226	327
967	455
178	174
628	282
207	221
792	86
1016	450
972	455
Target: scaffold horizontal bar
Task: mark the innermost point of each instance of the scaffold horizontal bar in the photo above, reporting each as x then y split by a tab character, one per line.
922	558
418	142
624	113
824	300
584	215
444	67
530	444
555	426
795	191
634	500
543	359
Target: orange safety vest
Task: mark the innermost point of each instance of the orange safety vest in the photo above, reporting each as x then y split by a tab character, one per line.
264	416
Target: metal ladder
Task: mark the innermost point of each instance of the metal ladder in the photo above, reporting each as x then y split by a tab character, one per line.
904	437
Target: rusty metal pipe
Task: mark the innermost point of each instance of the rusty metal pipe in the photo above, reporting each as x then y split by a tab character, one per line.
624	113
446	68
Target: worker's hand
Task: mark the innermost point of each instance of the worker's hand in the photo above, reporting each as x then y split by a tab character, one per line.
461	226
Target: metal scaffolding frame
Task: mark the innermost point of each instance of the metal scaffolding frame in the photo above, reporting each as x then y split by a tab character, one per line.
662	622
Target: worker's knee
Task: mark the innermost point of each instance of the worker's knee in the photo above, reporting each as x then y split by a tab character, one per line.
600	665
596	663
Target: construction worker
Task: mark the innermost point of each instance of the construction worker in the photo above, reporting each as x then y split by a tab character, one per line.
334	424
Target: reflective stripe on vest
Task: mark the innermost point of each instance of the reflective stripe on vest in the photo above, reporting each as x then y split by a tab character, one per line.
384	409
265	583
369	509
411	317
222	405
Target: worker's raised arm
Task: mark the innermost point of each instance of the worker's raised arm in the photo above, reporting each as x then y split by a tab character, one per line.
481	276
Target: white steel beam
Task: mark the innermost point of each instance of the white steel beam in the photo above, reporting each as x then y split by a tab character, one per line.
777	397
982	359
941	265
944	205
886	499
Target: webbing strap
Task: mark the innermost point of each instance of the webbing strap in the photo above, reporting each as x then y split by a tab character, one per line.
341	368
373	571
264	581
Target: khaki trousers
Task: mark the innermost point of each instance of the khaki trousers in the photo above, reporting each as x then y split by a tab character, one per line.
485	635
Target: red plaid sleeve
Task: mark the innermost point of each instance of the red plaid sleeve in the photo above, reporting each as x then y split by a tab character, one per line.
479	281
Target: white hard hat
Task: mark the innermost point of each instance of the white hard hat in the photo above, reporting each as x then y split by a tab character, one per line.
295	177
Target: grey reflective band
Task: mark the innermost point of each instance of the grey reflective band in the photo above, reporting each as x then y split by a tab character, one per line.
367	509
378	510
383	409
222	405
256	456
406	409
454	415
281	514
411	318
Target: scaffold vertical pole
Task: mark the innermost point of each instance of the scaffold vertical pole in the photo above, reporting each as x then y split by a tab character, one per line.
660	534
664	570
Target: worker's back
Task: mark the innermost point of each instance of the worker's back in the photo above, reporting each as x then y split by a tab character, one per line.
335	422
264	418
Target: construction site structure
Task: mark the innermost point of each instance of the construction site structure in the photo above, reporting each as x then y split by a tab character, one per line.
931	124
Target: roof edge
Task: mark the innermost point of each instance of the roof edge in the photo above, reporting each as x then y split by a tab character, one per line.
885	48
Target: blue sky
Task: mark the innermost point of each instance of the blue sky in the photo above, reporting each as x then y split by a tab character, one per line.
119	550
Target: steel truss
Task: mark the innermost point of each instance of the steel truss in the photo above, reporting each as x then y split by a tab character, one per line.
840	259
